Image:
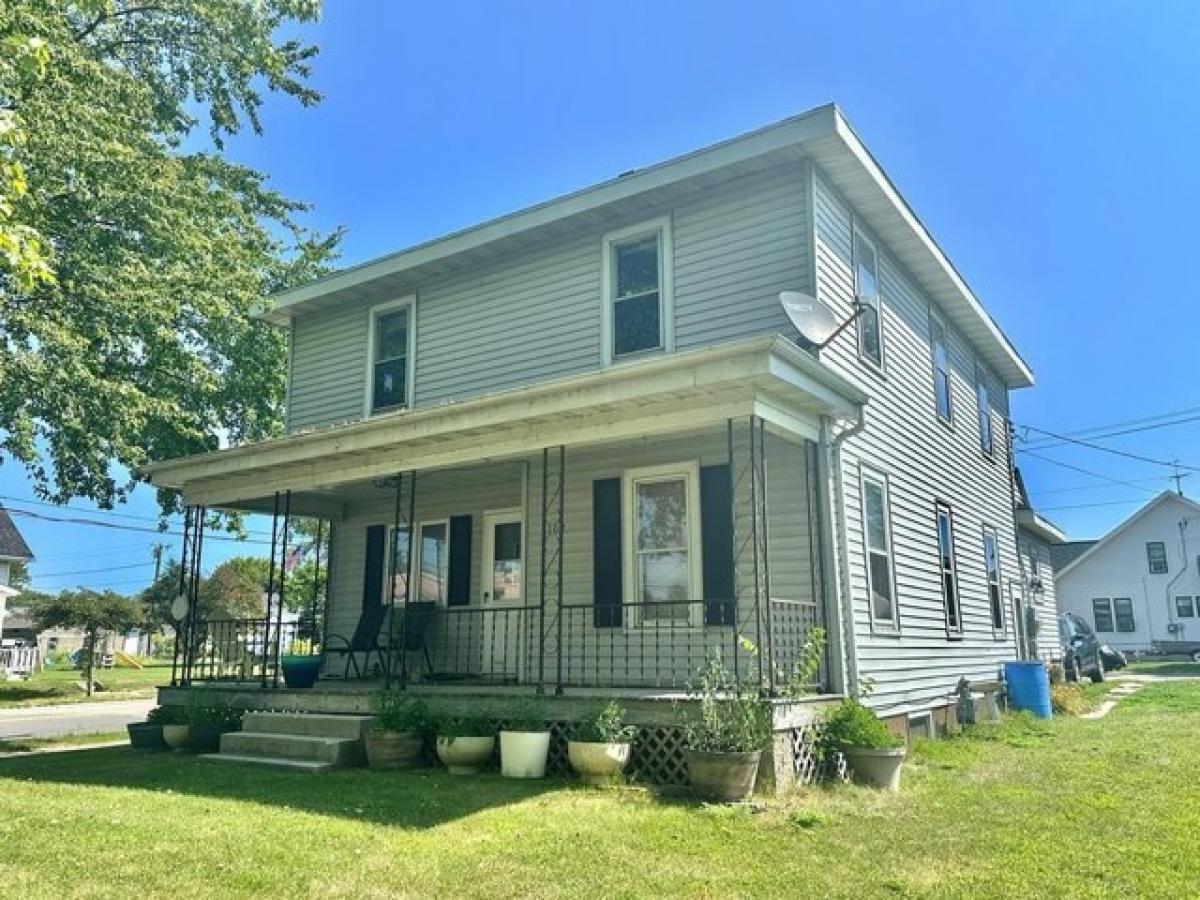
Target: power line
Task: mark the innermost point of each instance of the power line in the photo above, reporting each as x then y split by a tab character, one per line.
1093	505
1098	487
1130	426
119	527
103	512
141	565
1122	431
1082	443
1056	462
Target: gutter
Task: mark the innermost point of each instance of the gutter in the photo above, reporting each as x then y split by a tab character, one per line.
841	539
1183	570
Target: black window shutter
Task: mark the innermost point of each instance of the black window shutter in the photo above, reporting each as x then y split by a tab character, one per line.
373	566
716	538
607	580
458	590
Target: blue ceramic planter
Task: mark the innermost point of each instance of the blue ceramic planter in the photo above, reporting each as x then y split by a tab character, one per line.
300	671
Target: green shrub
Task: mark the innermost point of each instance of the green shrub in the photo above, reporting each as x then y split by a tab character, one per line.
397	711
201	710
1070	699
853	725
166	715
449	726
605	725
528	715
731	717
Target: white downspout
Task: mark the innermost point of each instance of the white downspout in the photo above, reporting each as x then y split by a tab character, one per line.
845	608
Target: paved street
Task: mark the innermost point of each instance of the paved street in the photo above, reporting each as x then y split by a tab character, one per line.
71	718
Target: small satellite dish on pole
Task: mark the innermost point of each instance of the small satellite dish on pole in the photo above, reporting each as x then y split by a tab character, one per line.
179	607
816	322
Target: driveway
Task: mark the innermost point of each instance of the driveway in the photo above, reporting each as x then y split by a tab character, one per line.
71	718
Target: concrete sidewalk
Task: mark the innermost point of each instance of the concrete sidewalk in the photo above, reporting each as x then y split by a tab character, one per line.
71	718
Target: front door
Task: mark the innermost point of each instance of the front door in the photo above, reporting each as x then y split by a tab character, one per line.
503	593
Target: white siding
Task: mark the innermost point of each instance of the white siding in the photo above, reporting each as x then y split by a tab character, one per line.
1045	604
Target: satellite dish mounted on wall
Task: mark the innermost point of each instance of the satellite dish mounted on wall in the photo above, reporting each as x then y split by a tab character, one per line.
817	323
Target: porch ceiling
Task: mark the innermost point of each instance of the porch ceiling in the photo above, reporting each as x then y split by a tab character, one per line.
767	376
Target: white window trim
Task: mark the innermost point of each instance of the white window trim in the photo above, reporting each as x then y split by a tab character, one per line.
414	559
859	236
502	516
373	315
936	321
955	632
982	381
666	287
690	471
1002	629
1166	560
865	474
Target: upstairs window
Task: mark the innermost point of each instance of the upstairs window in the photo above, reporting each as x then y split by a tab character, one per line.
1123	610
941	368
991	560
985	413
391	336
1156	557
945	536
637	291
866	290
878	539
1184	608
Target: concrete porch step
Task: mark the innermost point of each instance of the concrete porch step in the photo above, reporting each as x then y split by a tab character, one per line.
307	724
278	762
332	750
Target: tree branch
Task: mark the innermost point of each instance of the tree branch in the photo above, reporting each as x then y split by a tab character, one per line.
104	17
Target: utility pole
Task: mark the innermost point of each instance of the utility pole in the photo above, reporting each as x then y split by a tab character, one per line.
157	550
1178	477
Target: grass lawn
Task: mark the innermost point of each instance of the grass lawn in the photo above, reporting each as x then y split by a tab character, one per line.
1167	669
53	686
29	745
1068	808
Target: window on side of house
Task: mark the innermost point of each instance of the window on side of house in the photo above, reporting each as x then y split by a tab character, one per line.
399	552
877	535
1102	614
947	566
986	440
866	290
637	291
991	560
941	369
1156	557
1184	608
662	536
390	358
1123	611
433	561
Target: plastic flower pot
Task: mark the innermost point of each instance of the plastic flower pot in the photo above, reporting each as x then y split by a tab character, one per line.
393	749
176	736
876	766
597	762
722	777
523	753
465	754
300	672
146	736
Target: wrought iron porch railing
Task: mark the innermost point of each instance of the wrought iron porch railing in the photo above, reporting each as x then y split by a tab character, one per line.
242	649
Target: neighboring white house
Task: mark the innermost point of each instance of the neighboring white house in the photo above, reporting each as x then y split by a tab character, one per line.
1035	609
1139	585
13	549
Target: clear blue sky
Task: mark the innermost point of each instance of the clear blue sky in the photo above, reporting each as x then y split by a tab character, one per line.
1051	149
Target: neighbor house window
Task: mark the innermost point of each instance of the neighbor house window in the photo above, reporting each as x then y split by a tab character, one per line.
985	412
945	536
878	541
991	560
637	291
941	368
866	289
661	525
1156	556
1102	614
433	562
1184	608
1123	610
390	358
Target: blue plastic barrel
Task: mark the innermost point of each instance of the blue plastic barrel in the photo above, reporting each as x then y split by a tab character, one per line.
1029	687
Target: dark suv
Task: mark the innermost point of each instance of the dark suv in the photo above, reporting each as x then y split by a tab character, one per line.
1083	654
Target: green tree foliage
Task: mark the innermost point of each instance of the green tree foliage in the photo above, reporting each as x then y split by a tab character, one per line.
143	345
95	612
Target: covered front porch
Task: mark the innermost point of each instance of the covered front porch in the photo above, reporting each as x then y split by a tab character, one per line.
592	536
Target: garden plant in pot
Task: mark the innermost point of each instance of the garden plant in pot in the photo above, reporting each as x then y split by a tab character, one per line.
207	719
397	736
173	720
525	743
148	735
725	735
301	665
873	753
598	749
465	745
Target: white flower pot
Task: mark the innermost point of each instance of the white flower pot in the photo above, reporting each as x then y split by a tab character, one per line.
464	754
878	767
523	753
597	763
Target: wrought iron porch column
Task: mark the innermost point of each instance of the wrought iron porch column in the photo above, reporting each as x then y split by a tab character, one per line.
553	515
766	549
266	645
283	549
177	662
396	630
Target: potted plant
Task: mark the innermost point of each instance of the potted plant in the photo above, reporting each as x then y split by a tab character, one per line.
725	736
525	742
207	719
397	736
465	745
148	735
174	726
598	749
300	665
873	753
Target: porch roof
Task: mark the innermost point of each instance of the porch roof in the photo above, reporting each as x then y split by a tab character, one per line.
766	376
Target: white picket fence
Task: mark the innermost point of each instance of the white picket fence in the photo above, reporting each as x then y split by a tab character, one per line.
19	660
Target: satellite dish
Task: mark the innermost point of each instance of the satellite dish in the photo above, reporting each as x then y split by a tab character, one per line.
815	321
179	607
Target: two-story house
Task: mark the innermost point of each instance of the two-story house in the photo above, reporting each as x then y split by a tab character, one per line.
578	447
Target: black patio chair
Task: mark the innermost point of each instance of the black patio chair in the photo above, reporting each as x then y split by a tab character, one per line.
365	640
417	620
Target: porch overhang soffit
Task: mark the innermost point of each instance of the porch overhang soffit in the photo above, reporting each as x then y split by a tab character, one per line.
765	376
